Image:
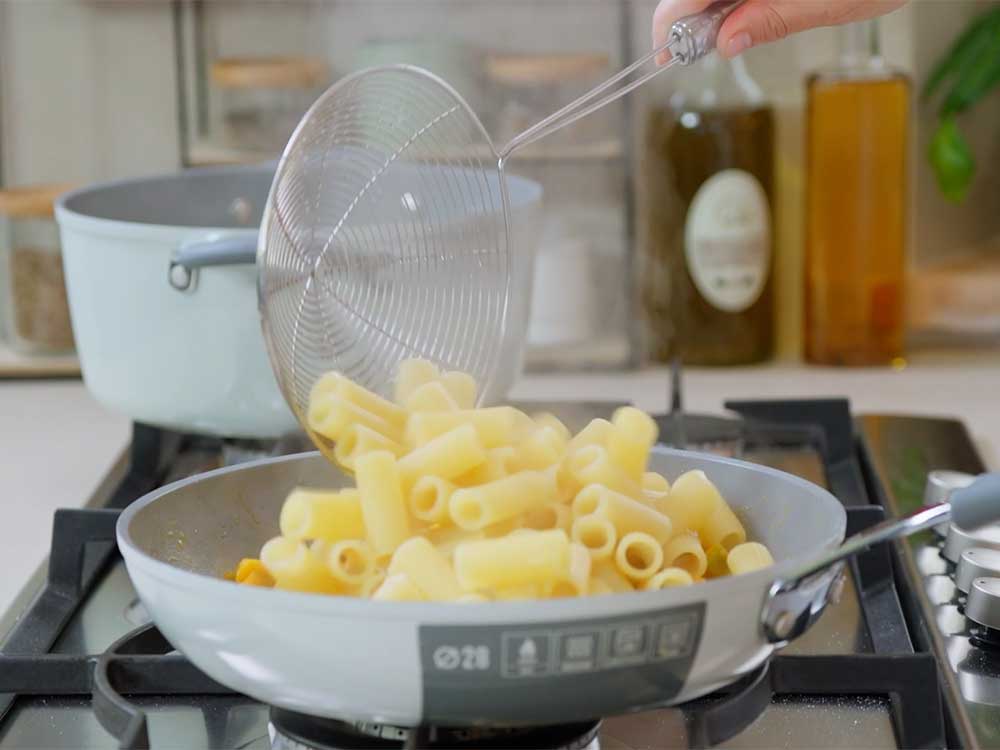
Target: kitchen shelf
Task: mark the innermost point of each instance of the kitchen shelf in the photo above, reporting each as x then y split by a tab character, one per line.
205	153
16	365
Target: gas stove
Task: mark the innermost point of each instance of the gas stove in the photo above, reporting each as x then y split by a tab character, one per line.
898	661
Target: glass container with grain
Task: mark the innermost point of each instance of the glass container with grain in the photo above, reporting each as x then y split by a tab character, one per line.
707	219
37	316
856	206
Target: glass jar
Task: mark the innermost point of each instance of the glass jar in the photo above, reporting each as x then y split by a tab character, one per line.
262	99
37	316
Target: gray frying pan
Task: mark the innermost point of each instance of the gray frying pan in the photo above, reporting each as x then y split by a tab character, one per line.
497	663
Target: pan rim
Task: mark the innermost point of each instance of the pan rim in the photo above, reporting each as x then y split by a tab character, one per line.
458	612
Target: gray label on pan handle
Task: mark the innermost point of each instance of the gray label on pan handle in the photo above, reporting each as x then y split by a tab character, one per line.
557	671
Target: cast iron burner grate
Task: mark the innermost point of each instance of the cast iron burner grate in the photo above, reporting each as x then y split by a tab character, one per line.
297	731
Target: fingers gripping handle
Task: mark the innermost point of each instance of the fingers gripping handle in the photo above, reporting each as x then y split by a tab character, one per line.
978	504
694	36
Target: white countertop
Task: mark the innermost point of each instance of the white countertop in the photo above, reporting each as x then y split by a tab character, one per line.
58	444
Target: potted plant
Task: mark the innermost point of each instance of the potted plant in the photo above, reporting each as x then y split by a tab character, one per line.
965	75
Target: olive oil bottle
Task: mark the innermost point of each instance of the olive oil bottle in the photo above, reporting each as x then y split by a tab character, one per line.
857	198
707	230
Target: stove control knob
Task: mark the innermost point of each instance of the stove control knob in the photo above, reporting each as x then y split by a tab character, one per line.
958	540
977	562
940	484
983	607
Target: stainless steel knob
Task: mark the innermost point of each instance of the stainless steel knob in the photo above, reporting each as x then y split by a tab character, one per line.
958	540
978	562
983	606
940	484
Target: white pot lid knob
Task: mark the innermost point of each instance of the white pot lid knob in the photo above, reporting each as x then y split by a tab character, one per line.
958	540
983	607
977	562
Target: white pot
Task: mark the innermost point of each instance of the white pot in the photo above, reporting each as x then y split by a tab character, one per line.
168	345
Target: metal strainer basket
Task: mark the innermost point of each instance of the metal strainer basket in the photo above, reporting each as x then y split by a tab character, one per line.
388	233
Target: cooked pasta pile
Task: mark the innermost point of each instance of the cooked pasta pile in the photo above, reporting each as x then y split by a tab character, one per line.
454	503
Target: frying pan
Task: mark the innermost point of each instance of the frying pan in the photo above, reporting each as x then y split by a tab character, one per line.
498	663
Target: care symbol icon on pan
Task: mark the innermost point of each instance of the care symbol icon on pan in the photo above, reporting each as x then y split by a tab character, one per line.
446	657
527	655
629	641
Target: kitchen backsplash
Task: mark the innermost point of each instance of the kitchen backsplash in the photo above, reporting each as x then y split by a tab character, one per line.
94	90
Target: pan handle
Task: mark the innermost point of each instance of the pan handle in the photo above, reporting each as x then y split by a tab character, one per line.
223	251
796	601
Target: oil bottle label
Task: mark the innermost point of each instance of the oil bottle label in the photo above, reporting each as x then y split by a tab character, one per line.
727	240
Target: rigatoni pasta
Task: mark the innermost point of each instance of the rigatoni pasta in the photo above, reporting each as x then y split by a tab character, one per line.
466	505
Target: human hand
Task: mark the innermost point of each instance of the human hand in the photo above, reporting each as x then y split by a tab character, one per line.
761	21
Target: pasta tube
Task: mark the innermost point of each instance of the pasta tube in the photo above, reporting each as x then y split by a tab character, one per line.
357	440
350	561
430	397
638	556
633	433
330	416
398	588
608	573
723	527
543	448
576	581
429	497
684	551
447	538
551	516
592	465
655	487
426	568
371	584
297	568
544	419
447	456
748	557
412	374
691	501
362	398
539	559
495	426
478	507
597	535
382	504
322	514
667	578
499	463
625	513
595	433
461	387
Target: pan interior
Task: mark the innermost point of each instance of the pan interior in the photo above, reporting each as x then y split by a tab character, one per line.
208	523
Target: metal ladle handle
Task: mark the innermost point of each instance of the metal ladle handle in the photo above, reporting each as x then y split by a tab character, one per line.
690	39
796	601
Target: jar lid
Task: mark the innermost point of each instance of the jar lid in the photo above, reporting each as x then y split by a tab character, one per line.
31	201
536	70
269	72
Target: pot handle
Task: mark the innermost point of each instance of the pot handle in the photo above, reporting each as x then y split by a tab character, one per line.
793	603
226	251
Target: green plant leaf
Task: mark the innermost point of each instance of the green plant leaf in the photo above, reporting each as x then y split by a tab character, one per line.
975	80
966	48
952	160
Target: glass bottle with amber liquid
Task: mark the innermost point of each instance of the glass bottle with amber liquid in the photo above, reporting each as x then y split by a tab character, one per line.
856	206
707	219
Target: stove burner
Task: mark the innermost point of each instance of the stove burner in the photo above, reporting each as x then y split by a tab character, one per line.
295	731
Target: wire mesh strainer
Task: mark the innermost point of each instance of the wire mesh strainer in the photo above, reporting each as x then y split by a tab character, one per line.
388	230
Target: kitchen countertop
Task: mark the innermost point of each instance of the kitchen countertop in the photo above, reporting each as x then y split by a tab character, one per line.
58	443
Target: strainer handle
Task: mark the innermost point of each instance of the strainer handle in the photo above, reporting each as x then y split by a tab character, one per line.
690	39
